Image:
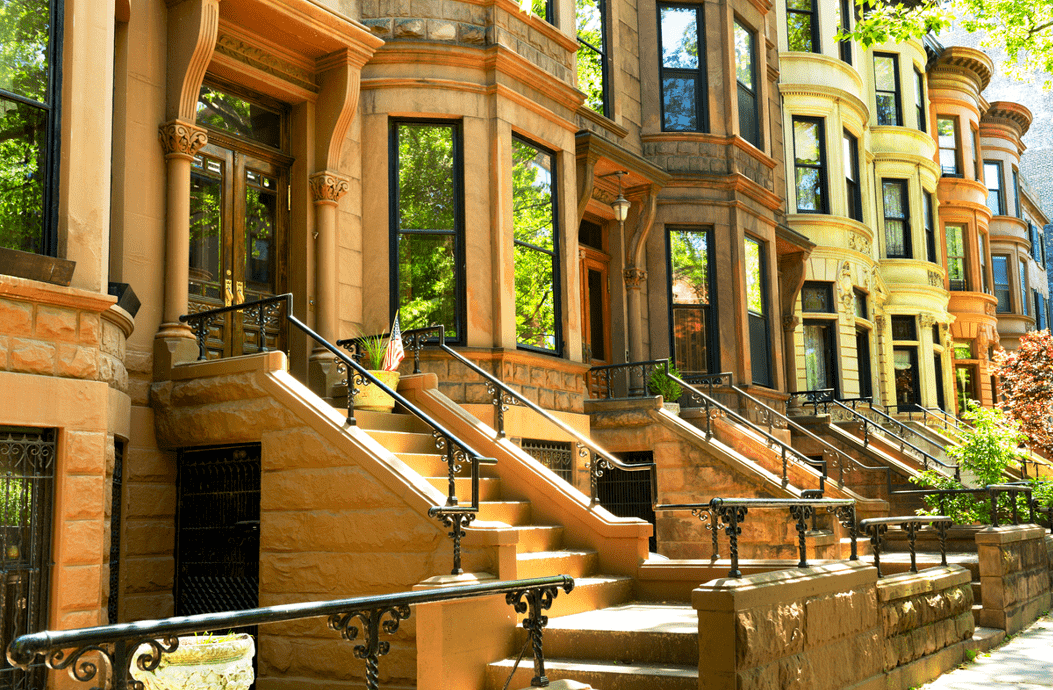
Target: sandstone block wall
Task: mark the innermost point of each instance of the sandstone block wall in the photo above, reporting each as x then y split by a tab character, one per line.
924	614
1014	575
815	628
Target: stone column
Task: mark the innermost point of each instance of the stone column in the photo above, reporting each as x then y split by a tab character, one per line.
326	189
180	141
634	279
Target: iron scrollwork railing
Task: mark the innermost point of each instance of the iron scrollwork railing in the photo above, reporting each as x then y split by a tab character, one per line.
844	462
413	340
598	460
110	648
261	313
453	515
876	528
992	492
728	514
631	378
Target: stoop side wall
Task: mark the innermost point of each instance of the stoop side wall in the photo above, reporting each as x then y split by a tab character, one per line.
927	622
1014	575
815	628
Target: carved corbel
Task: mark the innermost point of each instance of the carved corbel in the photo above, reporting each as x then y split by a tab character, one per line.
181	140
339	76
644	223
790	323
585	169
192	29
791	280
634	277
327	187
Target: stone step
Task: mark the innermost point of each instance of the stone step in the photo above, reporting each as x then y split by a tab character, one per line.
598	674
508	512
534	538
576	563
489	487
591	593
636	633
388	421
985	639
405	441
434	465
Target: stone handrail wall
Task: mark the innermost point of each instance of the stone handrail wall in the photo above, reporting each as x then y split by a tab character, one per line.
922	614
1014	575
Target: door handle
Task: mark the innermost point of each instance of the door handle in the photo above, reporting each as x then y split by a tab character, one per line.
241	292
229	293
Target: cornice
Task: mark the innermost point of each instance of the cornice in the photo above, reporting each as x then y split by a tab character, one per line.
1009	113
828	92
974	63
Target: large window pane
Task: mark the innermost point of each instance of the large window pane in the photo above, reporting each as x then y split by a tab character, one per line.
897	226
679	38
679	103
206	219
905	363
24	55
592	54
850	160
689	277
956	256
229	113
23	131
993	178
947	135
801	26
745	75
886	86
429	275
818	364
809	165
682	68
534	230
1000	268
261	214
756	306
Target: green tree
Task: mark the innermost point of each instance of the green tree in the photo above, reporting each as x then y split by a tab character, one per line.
590	47
534	231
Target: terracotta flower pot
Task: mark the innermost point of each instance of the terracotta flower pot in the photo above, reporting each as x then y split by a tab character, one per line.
372	398
201	663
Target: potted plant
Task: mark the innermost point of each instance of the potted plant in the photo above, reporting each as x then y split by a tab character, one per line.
200	662
371	397
670	390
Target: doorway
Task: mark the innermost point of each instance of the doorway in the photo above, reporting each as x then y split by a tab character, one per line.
595	294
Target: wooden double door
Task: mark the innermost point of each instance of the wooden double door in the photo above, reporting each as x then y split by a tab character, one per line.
239	201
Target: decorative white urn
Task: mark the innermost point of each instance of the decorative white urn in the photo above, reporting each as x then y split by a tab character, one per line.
203	662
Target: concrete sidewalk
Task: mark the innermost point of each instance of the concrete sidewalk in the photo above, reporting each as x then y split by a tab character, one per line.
1023	663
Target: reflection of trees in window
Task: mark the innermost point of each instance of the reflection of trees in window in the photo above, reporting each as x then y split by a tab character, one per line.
689	278
206	198
27	136
261	210
756	307
229	113
428	218
886	89
1000	268
535	241
955	235
809	164
592	54
682	68
802	29
746	77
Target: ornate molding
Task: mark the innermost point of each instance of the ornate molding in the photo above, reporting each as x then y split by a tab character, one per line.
634	277
928	320
935	279
328	187
859	243
790	323
990	309
844	287
180	139
879	324
258	58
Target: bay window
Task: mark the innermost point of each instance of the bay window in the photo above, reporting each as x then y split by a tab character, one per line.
897	219
682	68
809	164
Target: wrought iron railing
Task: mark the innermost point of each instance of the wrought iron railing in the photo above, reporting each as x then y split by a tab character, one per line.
992	491
454	514
729	514
413	340
502	395
263	313
1043	510
840	411
912	524
843	461
111	648
632	379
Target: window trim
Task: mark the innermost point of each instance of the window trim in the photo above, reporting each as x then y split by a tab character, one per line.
820	124
1000	211
978	168
957	171
700	73
52	150
896	94
712	334
557	267
845	47
983	251
757	138
601	5
853	188
813	24
908	235
919	97
461	279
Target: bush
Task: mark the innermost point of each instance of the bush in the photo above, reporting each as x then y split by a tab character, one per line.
660	384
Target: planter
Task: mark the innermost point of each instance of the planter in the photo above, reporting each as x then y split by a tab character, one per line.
201	663
672	407
372	398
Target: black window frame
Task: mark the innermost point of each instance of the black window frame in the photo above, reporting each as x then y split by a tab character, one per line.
52	149
929	202
1016	193
896	94
983	251
557	267
759	376
1040	310
1024	307
853	186
831	337
962	284
820	125
458	233
978	166
919	100
699	73
550	10
956	171
710	310
908	240
827	288
999	190
601	6
1002	289
813	25
845	47
754	137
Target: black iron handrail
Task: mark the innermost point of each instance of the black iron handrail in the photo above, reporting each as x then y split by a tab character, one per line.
786	451
116	645
941	416
842	456
603	379
502	396
413	340
453	515
991	490
904	430
911	524
201	322
729	513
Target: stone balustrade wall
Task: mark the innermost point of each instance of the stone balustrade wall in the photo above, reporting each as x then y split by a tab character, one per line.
1014	575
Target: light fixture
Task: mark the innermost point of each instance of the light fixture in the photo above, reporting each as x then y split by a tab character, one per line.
621	204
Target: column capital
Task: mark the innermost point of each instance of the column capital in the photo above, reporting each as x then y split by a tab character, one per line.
634	277
327	187
790	323
181	139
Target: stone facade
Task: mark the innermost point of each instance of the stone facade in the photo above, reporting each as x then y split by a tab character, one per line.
1014	576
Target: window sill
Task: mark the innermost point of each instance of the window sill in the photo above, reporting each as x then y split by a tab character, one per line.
608	124
46	269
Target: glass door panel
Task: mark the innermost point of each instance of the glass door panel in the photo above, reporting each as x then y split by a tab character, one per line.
905	361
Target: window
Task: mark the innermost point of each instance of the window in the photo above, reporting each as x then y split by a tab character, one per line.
919	98
981	243
802	26
1000	268
592	54
956	269
427	225
930	229
820	355
809	164
995	195
947	137
29	126
977	168
543	9
746	76
693	329
850	152
861	304
1023	287
536	239
886	87
963	349
844	22
683	68
897	219
965	375
1040	310
863	360
757	309
1038	247
905	365
818	298
904	328
1016	192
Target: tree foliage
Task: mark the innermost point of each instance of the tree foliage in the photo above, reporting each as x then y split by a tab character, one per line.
1023	30
1026	387
534	230
590	60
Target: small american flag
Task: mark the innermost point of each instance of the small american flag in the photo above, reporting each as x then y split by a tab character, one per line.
394	353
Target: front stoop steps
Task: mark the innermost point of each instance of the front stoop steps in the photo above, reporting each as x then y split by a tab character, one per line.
638	646
540	549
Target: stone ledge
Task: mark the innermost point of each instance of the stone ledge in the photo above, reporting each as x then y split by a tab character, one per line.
910	584
1008	534
729	594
